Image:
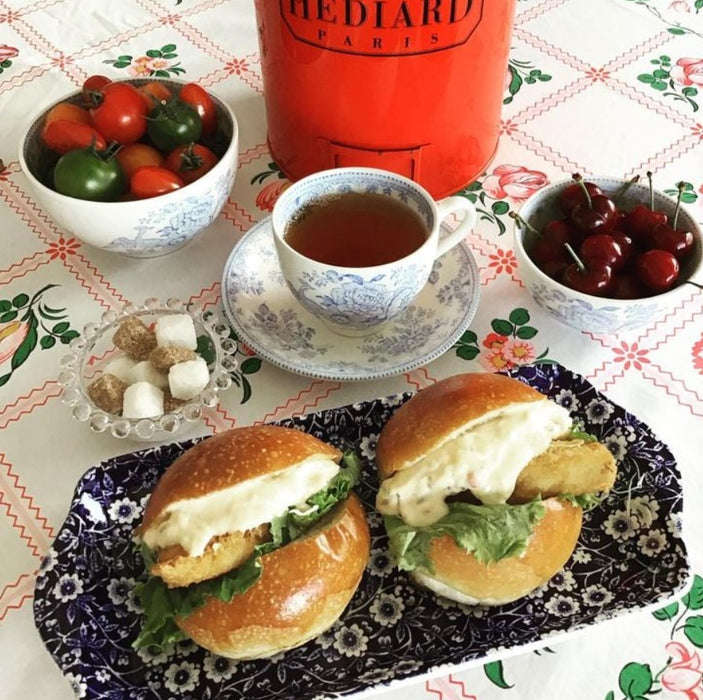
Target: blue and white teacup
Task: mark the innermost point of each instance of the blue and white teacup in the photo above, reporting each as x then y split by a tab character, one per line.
357	301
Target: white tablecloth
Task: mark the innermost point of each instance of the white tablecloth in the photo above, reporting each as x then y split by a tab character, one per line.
620	87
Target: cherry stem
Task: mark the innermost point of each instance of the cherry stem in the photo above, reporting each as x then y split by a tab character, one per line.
524	224
624	188
577	260
651	190
587	194
695	284
680	187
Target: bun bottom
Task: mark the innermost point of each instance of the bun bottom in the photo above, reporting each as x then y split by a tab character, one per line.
303	590
461	577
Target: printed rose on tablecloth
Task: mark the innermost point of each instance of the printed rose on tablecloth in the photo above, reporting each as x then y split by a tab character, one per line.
677	80
683	674
11	336
688	71
697	353
26	322
7	53
679	6
272	190
514	182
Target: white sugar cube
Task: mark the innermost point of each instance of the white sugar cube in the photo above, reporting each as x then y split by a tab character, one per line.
188	379
121	367
146	372
142	400
177	329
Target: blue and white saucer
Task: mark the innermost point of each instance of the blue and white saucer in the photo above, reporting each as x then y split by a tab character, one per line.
267	317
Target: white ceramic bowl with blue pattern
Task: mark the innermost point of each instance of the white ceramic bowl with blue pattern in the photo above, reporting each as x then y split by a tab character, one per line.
358	301
142	228
600	314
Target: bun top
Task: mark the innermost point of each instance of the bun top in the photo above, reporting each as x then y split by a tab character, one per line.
230	458
436	413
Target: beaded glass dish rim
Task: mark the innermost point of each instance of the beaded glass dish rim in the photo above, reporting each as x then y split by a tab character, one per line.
72	377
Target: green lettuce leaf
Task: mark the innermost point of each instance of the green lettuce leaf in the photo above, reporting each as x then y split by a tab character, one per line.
585	501
490	532
577	434
162	604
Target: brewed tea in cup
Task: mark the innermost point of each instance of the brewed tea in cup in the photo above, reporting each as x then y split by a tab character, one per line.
369	229
356	245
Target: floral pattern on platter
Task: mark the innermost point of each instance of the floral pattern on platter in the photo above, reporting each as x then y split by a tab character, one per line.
87	615
170	226
266	316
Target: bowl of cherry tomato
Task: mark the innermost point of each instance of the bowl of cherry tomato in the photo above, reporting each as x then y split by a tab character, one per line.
136	167
606	254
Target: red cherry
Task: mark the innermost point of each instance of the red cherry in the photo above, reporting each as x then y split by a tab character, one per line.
626	244
676	241
640	220
573	195
559	231
658	270
598	216
554	268
627	286
619	218
595	279
602	247
544	251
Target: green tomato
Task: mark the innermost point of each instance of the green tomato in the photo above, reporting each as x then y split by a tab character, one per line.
172	124
85	173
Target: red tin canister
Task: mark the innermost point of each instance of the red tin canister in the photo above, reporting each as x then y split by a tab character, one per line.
412	86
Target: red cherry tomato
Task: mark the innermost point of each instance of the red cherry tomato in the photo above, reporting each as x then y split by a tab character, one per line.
121	114
137	155
197	97
155	92
92	87
61	135
68	111
191	161
152	181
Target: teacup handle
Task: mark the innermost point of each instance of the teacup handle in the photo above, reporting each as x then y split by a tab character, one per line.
448	206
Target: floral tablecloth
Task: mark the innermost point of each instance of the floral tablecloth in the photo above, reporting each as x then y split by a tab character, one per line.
599	87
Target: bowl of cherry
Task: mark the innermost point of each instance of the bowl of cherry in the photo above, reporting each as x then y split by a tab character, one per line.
605	254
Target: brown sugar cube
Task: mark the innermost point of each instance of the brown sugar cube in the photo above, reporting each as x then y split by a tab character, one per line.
135	339
171	403
107	393
164	357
